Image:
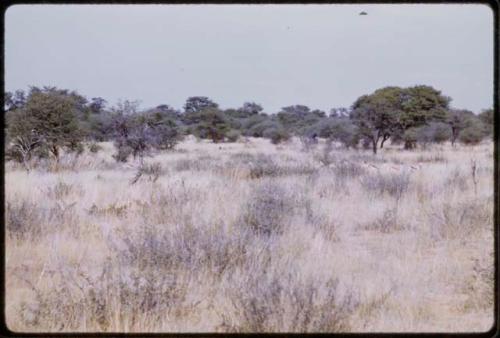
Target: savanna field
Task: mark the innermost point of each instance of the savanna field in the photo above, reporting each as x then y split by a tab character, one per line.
252	237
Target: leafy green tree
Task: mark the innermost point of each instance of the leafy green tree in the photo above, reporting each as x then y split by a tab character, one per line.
255	125
97	105
162	130
196	104
249	109
50	117
391	111
376	115
211	124
276	135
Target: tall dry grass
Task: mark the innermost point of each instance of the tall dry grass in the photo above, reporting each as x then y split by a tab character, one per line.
252	237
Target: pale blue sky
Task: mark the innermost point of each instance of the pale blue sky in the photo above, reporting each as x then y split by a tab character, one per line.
322	56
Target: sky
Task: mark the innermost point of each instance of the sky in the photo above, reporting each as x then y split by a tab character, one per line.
322	56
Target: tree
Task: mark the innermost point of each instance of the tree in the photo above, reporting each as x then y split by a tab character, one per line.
211	124
249	109
14	100
257	124
276	135
162	129
49	117
196	104
375	115
391	111
297	119
97	105
22	136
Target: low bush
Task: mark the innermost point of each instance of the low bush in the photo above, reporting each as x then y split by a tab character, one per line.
395	185
272	302
267	209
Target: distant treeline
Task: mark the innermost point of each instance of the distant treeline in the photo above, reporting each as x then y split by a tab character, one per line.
42	121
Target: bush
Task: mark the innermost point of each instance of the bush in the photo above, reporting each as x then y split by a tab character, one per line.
23	220
94	148
282	302
394	185
410	138
233	135
471	135
152	171
346	169
435	132
267	209
122	153
276	135
387	223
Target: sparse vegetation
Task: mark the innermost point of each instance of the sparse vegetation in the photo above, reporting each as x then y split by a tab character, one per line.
251	238
235	220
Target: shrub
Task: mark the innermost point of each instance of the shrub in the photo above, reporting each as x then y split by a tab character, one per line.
346	169
60	190
23	220
152	171
434	158
282	302
460	220
94	148
471	135
264	166
122	153
394	185
267	209
387	223
276	135
410	137
210	123
435	132
233	135
308	143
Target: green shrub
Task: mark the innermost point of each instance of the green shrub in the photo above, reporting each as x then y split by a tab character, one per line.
233	135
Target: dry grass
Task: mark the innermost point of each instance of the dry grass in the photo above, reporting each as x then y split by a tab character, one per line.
248	236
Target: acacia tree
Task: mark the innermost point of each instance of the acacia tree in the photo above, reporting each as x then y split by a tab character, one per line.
249	109
22	139
97	105
196	104
395	112
49	119
418	106
211	124
375	115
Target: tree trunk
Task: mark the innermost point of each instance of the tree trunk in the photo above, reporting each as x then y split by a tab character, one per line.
409	145
374	144
454	136
385	138
55	152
